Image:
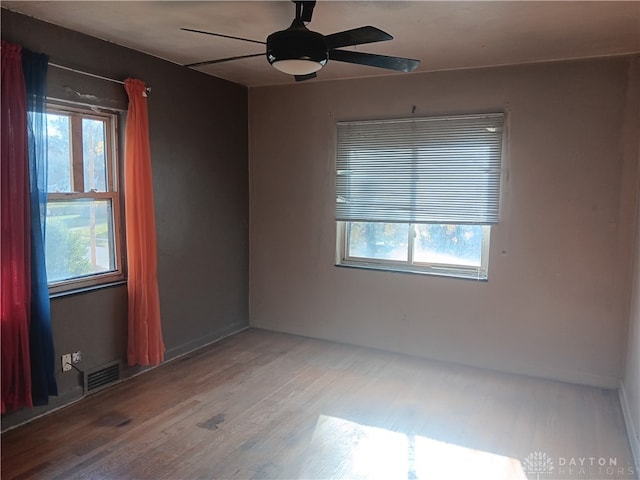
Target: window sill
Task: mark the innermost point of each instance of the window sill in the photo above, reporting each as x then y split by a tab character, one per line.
91	288
432	273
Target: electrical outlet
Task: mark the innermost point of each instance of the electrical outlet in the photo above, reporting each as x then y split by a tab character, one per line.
76	357
66	362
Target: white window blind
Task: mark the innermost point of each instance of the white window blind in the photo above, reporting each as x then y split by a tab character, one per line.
420	170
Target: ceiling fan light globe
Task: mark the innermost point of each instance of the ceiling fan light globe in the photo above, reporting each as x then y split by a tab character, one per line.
298	66
297	50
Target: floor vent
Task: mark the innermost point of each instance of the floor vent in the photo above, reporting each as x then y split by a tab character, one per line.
101	377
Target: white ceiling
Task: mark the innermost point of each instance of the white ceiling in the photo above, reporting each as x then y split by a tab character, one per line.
443	35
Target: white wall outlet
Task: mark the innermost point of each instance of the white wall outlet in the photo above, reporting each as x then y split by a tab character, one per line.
66	362
76	357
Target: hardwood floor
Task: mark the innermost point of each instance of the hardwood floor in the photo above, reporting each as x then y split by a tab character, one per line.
269	405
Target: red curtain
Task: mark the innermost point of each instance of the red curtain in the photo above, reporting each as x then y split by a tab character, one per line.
145	345
15	234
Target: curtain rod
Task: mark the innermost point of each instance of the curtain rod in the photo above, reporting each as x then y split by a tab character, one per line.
148	89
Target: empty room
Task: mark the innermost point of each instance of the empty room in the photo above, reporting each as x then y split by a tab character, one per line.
331	240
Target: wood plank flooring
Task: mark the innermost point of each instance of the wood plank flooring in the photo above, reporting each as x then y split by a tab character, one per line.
264	405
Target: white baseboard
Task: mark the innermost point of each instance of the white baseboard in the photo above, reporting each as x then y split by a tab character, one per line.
631	431
26	415
178	353
546	373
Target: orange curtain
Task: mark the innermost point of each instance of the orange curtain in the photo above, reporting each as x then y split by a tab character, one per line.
145	345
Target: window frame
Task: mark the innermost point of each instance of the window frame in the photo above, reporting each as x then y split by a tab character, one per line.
356	138
410	265
112	193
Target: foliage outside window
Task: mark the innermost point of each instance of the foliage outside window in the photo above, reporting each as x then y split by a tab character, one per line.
420	194
82	234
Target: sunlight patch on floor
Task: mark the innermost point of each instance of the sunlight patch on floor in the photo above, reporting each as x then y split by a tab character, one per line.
341	448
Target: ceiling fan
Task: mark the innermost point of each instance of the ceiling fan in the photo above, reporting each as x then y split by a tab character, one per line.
301	52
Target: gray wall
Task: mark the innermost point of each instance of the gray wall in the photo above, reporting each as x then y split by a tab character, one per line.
630	390
198	133
556	303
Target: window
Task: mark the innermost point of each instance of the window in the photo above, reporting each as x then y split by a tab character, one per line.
420	194
82	233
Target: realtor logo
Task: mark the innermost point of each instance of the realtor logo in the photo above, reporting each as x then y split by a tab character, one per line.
537	463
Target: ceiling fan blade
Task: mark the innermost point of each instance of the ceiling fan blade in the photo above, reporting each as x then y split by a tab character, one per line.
373	60
223	36
302	78
220	60
356	36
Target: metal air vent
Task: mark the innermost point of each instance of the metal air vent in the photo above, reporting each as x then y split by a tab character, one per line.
101	377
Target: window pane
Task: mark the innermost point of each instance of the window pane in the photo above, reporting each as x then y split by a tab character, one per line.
59	153
385	241
448	244
93	155
79	239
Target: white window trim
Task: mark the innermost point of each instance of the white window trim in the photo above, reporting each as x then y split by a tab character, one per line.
440	269
113	167
410	266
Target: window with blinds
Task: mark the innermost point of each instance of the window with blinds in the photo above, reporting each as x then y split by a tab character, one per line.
419	194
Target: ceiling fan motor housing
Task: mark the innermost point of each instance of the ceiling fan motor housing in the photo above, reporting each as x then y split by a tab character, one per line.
297	44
